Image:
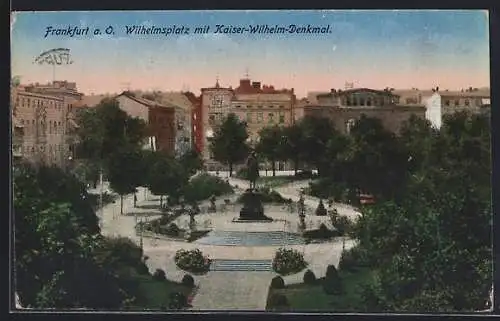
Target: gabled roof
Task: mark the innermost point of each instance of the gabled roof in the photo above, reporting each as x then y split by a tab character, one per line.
145	102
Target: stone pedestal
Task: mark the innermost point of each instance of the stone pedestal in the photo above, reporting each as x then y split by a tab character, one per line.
253	210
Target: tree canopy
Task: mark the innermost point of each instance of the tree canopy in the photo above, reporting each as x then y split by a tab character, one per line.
229	144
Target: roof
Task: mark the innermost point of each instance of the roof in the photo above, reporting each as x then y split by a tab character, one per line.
144	101
178	99
91	100
38	95
480	93
312	97
353	90
413	92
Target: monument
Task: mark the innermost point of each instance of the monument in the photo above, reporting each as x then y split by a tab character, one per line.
253	210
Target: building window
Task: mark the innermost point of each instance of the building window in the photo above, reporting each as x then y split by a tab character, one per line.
50	126
238	106
349	124
348	101
447	102
282	107
271	106
271	118
467	102
282	118
369	102
260	107
457	102
249	118
260	117
479	102
249	106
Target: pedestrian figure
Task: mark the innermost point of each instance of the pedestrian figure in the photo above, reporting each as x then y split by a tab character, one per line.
135	200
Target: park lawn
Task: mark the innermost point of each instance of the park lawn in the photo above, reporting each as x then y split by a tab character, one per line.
303	297
154	294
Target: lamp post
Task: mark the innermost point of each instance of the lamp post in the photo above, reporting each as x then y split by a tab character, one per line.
141	241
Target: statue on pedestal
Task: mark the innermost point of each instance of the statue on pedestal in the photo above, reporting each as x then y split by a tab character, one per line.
252	210
252	169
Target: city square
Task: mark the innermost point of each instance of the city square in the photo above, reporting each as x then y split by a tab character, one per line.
182	183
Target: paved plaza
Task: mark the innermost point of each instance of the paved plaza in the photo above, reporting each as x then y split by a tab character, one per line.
248	290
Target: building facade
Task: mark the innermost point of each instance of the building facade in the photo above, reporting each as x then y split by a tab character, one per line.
345	107
160	120
444	102
70	96
43	119
196	122
258	105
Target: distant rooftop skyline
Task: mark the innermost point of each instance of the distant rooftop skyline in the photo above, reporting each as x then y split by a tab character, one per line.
375	49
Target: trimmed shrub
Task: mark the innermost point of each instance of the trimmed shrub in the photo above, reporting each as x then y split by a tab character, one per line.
332	283
309	277
177	301
188	280
204	186
159	275
288	261
277	283
321	210
192	261
278	302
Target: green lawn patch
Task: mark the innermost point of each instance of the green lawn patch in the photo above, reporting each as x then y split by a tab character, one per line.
155	295
303	297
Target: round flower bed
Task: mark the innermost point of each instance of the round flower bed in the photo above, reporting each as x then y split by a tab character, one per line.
192	261
288	261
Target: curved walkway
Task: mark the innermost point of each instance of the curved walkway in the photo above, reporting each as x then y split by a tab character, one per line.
217	290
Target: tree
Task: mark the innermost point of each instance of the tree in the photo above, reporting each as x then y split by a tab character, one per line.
316	133
377	162
104	130
54	244
269	144
229	142
126	171
423	247
165	176
191	161
291	145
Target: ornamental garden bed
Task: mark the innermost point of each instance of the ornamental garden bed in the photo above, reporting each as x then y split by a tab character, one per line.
192	261
288	261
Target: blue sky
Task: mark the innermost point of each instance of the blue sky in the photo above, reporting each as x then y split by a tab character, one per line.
370	48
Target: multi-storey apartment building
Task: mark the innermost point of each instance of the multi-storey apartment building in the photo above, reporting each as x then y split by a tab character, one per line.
443	102
43	118
183	110
259	106
70	96
196	121
160	120
344	107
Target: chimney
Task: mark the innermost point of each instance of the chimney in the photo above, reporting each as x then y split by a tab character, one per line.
256	84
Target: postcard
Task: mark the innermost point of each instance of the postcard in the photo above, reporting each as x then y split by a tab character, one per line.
319	161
